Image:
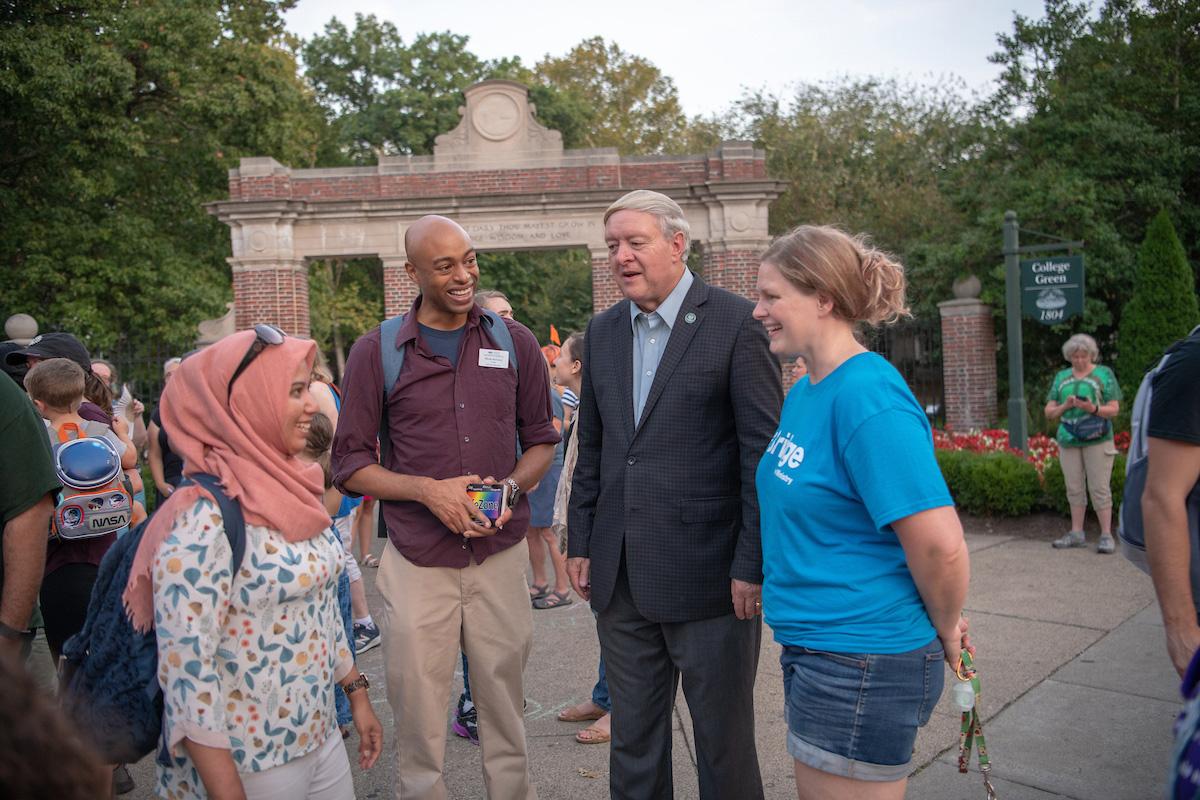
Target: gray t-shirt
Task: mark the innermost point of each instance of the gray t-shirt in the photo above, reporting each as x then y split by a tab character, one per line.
442	343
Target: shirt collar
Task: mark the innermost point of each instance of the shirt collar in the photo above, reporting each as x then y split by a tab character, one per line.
408	330
669	309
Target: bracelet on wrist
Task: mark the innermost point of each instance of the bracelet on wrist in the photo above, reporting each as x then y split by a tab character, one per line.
9	632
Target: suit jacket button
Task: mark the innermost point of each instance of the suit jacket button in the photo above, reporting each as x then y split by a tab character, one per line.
631	461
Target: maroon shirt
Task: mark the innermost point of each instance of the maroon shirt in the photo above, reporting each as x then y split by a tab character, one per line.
444	422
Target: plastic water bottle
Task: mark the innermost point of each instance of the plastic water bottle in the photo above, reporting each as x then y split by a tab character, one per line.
962	696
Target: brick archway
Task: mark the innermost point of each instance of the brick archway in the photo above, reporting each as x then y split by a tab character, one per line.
506	179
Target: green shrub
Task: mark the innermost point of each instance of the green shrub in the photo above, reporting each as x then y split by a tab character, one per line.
992	484
952	463
1055	485
1162	308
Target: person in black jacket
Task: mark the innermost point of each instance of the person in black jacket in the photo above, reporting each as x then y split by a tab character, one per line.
680	398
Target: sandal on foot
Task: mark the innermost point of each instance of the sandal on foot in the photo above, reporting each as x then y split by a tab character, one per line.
593	735
538	590
573	714
370	560
554	600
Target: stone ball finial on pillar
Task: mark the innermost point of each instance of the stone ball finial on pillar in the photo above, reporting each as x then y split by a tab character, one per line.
967	287
21	328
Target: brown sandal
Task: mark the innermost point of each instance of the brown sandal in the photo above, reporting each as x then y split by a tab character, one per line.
572	715
553	600
593	735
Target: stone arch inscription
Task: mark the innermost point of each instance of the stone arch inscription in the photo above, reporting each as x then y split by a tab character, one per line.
506	179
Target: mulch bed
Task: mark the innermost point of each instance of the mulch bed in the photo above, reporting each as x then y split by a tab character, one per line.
1041	525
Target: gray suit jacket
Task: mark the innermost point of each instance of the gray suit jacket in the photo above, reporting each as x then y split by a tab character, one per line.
675	492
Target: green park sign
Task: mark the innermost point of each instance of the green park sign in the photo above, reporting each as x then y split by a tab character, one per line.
1052	288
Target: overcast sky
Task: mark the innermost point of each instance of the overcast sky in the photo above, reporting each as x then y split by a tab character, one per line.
714	49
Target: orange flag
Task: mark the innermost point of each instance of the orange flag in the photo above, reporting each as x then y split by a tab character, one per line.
554	336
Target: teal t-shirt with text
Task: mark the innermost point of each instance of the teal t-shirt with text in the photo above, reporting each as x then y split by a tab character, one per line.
853	454
1099	387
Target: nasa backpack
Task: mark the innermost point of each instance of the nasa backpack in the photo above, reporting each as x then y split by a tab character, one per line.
94	500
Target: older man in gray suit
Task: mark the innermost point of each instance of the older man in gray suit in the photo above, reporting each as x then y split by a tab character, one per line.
680	398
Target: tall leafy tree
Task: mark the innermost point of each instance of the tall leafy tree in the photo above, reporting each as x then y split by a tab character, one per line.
1085	137
627	101
864	154
121	121
545	288
383	96
345	298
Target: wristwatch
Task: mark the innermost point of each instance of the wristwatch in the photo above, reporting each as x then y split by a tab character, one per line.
514	490
353	686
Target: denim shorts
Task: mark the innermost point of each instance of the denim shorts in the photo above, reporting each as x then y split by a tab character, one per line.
541	499
857	714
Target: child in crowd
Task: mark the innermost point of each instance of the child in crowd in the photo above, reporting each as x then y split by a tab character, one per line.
568	373
56	388
366	632
316	451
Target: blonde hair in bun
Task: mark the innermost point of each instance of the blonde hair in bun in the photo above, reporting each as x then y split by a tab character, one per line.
865	284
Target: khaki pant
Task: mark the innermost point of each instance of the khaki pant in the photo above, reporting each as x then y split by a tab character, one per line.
321	774
428	614
1096	462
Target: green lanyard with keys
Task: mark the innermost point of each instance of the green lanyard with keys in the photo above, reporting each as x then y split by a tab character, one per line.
972	725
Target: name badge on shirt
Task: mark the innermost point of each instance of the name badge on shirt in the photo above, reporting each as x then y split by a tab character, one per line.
493	358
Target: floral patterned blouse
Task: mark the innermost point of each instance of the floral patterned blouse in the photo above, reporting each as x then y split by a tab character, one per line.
246	664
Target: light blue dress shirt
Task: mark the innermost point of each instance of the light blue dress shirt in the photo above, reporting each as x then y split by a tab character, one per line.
650	334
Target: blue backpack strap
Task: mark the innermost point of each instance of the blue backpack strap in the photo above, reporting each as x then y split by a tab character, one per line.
501	336
393	361
392	356
231	513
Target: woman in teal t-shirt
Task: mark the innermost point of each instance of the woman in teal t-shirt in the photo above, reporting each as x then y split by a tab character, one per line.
1085	397
864	564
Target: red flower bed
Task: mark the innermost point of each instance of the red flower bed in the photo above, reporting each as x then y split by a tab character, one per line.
1042	448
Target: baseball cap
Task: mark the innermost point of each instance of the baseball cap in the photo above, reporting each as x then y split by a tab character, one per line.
16	371
52	345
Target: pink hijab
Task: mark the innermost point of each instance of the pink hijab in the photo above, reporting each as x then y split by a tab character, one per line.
240	441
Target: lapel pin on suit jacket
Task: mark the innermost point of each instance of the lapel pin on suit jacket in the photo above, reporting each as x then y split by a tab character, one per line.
689	317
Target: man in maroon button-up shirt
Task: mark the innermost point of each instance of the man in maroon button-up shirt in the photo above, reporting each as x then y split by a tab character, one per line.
454	416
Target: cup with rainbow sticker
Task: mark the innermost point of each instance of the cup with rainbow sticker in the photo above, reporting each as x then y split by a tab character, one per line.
490	498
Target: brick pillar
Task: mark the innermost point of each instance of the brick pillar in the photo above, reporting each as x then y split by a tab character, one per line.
968	364
398	291
735	269
605	291
271	291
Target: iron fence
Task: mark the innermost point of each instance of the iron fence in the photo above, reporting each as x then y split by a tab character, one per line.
914	348
138	360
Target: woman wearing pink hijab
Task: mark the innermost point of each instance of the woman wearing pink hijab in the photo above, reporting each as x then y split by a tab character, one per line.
247	662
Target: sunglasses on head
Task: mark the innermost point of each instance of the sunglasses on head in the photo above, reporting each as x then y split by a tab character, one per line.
264	335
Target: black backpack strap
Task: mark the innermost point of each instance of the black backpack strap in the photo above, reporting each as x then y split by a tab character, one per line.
231	513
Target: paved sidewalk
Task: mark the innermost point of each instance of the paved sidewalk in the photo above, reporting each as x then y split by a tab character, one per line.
1078	695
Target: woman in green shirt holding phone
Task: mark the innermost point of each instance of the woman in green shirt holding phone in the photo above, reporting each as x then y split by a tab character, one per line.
1085	398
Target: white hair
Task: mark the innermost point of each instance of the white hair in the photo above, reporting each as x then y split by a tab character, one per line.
1081	341
670	216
